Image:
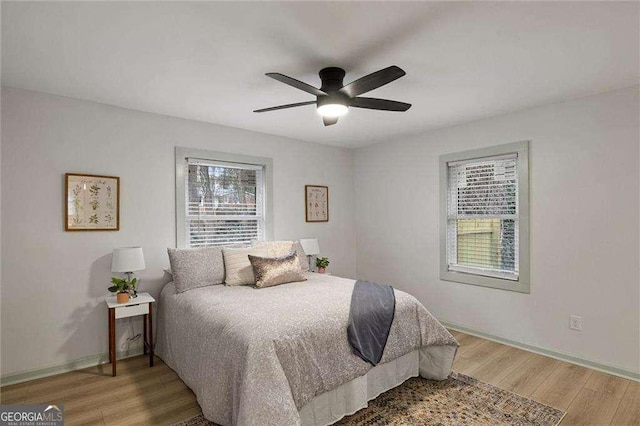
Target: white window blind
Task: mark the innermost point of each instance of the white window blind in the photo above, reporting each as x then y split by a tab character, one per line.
224	203
482	217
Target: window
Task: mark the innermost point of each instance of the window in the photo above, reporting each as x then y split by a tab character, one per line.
484	202
221	198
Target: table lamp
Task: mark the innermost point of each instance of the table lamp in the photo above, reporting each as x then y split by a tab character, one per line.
127	260
310	247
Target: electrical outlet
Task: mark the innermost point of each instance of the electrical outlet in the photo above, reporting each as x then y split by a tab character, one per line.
575	323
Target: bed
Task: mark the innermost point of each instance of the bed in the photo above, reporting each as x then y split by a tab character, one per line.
280	355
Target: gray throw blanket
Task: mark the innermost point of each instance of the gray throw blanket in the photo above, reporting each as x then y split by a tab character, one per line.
373	307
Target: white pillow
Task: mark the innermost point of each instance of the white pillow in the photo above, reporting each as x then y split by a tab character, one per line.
238	269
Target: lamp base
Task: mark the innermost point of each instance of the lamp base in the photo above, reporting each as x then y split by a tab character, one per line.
133	293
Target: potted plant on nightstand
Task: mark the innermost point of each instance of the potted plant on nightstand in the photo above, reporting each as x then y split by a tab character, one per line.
321	264
123	288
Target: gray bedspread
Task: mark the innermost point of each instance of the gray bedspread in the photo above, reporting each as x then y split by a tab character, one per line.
256	356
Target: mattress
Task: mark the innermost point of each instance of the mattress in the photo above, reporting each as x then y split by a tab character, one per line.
262	356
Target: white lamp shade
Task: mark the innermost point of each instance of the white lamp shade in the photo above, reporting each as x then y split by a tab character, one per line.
310	246
127	259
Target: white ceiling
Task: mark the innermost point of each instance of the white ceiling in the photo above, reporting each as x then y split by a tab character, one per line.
206	61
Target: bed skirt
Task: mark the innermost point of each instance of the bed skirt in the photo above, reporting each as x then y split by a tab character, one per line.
431	362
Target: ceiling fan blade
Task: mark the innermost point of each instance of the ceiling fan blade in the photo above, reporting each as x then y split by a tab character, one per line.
373	81
329	121
285	106
295	83
381	104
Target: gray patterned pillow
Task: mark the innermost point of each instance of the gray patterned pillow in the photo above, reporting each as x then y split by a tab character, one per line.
193	268
275	248
270	271
302	256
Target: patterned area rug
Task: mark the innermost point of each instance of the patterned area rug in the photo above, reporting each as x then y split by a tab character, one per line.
459	400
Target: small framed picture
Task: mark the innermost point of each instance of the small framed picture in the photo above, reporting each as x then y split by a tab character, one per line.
92	203
316	200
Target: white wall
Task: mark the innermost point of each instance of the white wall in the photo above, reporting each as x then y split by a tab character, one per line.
584	226
584	219
53	281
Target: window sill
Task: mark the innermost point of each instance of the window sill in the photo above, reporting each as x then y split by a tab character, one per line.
520	286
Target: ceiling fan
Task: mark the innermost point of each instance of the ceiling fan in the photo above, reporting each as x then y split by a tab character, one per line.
333	98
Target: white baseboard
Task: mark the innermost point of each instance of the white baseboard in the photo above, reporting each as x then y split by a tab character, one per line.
99	359
551	353
77	364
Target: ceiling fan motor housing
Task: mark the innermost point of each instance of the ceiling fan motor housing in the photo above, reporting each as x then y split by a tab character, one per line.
332	79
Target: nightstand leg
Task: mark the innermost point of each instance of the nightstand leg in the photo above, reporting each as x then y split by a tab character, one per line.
144	333
109	322
112	340
150	335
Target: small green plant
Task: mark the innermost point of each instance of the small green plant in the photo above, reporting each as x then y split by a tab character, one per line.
123	285
322	262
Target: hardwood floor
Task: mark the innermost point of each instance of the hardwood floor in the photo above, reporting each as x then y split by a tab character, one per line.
156	396
137	395
589	397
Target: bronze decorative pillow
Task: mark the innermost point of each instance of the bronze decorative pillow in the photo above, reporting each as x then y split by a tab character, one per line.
282	248
270	271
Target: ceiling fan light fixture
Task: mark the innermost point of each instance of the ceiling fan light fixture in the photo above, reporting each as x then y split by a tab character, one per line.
332	110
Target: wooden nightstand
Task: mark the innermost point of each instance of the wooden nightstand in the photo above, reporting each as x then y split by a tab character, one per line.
140	305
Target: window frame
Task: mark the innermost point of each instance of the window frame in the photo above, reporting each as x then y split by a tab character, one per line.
182	154
522	284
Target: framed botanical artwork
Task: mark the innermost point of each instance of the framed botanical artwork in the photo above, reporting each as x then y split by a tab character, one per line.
92	203
316	199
